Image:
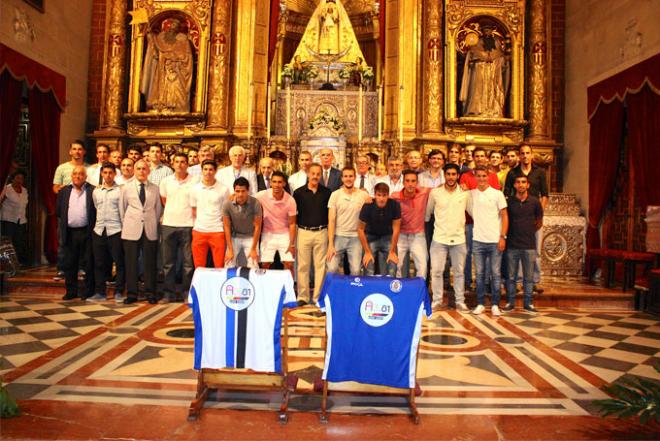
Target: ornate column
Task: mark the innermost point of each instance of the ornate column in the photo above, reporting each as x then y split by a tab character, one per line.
538	87
113	91
218	87
433	55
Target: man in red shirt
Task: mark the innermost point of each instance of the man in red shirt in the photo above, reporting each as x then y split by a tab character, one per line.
412	239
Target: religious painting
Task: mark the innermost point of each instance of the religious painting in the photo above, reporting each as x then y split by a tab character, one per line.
37	4
169	63
483	68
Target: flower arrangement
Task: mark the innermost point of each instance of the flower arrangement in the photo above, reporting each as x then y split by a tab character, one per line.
287	70
325	119
310	72
368	73
346	72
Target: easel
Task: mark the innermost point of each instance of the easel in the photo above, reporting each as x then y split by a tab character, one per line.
353	387
245	379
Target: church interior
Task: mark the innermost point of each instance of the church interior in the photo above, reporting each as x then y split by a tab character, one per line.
576	81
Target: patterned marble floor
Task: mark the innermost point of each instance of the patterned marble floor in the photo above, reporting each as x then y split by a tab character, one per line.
553	364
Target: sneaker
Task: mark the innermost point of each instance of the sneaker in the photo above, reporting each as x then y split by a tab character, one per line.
479	310
436	304
59	276
530	309
462	307
508	307
119	298
495	311
538	288
97	298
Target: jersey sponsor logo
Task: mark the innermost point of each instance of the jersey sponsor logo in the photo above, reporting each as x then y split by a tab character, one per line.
396	285
237	293
356	282
376	310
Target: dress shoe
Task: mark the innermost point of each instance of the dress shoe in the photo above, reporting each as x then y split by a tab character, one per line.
69	296
301	303
152	300
128	300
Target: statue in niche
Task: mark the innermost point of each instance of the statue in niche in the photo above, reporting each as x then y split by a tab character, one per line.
168	69
329	28
484	85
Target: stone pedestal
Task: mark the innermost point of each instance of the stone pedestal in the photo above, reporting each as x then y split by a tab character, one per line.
563	243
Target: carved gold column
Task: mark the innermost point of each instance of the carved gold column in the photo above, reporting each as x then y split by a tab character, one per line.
433	54
538	87
113	91
218	88
403	38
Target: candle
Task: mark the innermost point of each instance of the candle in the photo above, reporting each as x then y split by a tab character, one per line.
268	114
288	114
401	103
380	113
250	98
360	115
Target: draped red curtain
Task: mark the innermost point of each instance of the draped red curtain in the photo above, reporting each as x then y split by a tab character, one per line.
644	143
272	40
45	136
605	138
10	113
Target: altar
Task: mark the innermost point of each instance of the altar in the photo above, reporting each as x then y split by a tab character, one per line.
298	108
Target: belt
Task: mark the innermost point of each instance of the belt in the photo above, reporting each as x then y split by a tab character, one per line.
319	228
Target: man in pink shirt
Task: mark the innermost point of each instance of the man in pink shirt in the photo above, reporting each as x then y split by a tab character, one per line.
279	223
412	239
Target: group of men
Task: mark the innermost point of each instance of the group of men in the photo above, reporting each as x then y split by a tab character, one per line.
149	217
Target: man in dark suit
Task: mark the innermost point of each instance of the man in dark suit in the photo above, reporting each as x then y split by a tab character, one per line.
76	214
330	176
266	168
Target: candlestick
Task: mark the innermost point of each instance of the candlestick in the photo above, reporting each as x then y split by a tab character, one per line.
288	114
250	98
268	103
360	115
401	104
380	112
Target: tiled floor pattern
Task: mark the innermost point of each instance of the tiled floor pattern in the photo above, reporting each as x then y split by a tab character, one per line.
550	364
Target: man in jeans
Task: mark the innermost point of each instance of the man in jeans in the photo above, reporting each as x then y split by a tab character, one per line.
487	207
526	218
242	218
378	230
343	216
412	240
447	204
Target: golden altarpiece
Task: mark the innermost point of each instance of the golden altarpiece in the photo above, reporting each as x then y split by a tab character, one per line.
380	77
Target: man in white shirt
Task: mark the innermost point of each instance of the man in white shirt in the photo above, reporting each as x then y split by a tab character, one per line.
434	176
106	236
126	171
207	198
205	153
193	157
394	179
94	171
299	178
364	180
343	216
487	207
227	175
177	225
414	161
447	204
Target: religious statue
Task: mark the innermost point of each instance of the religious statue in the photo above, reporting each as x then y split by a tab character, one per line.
168	69
485	76
329	28
298	70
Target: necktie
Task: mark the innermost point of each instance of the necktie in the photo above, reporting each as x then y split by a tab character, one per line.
267	181
325	177
361	182
100	177
143	196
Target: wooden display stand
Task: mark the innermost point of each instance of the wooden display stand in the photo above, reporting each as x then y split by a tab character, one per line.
361	388
245	379
353	387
